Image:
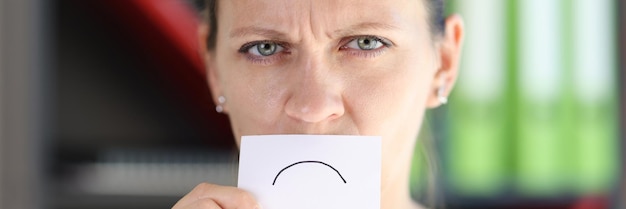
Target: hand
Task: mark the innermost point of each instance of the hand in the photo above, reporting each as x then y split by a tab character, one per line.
210	196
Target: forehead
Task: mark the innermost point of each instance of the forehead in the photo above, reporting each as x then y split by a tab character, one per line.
319	16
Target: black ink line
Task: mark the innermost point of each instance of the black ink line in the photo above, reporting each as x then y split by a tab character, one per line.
320	162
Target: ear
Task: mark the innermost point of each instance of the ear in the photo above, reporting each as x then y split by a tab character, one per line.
449	55
209	64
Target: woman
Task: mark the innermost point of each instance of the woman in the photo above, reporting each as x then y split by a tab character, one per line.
358	67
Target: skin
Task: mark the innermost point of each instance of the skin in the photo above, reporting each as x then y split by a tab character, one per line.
323	83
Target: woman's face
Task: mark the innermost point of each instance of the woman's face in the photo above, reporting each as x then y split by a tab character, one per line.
357	67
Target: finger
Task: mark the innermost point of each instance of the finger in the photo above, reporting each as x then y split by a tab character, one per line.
226	197
199	204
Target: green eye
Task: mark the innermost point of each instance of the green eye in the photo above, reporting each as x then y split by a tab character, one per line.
262	49
368	43
266	49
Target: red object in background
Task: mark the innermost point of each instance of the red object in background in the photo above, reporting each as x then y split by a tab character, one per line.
592	203
176	22
166	33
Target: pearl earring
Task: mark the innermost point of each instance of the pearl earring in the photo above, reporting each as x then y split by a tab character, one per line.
440	95
219	108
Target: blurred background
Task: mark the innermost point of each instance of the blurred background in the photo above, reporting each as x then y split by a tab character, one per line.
534	121
103	104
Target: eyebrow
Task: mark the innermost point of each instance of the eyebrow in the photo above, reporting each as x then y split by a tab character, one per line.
255	30
355	29
274	34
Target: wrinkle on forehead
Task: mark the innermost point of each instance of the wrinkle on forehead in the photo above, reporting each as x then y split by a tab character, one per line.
319	17
285	17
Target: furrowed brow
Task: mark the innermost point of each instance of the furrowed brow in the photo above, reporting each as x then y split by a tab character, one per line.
259	31
364	26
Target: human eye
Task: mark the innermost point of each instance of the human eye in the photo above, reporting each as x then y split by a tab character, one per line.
367	46
262	52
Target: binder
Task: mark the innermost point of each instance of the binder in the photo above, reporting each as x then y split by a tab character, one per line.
540	78
594	79
476	150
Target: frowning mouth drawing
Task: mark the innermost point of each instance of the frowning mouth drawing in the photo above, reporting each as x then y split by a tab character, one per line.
309	162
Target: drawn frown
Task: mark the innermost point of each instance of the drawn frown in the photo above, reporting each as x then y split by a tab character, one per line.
311	171
331	168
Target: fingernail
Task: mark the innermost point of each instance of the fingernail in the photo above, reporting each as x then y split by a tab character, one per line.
258	207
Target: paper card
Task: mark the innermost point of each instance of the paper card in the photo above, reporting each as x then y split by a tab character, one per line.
311	171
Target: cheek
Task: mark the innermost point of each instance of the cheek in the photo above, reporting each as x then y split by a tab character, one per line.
395	104
254	100
391	103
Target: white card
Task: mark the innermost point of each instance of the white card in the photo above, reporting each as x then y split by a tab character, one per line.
311	171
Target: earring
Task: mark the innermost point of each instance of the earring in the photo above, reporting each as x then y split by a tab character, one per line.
440	95
219	108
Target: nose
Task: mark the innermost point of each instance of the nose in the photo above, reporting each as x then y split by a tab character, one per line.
316	93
